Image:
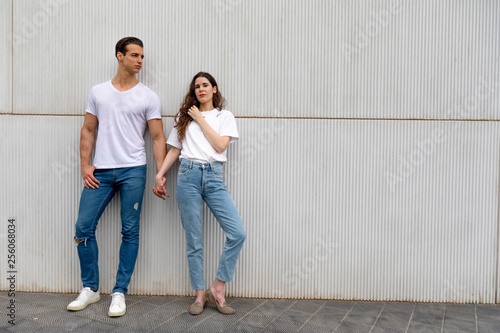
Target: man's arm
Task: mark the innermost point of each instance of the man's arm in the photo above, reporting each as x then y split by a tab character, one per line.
159	142
87	139
160	187
159	145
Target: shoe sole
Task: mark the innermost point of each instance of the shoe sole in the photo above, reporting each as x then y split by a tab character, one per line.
116	314
81	307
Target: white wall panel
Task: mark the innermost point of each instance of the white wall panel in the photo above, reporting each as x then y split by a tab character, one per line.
371	210
333	59
6	56
370	195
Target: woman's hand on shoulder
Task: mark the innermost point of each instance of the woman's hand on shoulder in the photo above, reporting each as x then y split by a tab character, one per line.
194	113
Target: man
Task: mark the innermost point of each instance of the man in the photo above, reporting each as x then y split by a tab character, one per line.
116	117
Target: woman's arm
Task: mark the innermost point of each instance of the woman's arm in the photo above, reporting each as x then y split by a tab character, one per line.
218	142
160	188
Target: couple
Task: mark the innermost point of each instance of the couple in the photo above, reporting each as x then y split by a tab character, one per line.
116	117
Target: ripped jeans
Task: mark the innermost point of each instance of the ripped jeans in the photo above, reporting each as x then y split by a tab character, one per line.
130	182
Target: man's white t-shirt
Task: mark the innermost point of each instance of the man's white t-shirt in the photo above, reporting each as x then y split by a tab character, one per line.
195	145
122	117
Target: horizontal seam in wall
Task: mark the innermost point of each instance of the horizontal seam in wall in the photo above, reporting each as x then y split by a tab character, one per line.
248	117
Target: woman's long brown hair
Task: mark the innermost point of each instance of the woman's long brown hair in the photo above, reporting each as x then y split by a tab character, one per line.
182	118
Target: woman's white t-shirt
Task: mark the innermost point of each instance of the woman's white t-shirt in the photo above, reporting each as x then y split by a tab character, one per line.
195	145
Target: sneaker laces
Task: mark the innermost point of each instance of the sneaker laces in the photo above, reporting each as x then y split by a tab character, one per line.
83	293
116	298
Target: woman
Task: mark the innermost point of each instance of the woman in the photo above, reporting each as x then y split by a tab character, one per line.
201	134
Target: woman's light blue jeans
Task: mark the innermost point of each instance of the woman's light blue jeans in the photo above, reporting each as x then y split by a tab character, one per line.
130	182
198	182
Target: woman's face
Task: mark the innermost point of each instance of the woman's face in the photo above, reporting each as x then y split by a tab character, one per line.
203	90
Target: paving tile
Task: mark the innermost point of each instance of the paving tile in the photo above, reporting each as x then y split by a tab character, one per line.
489	321
457	324
176	306
346	305
53	316
24	325
295	316
486	328
329	310
122	329
272	308
430	308
402	310
308	306
97	326
312	329
488	310
393	322
255	320
33	311
140	308
399	306
466	316
51	329
428	314
244	305
163	313
416	327
141	323
239	327
349	327
18	305
464	308
72	323
368	308
377	329
356	317
459	330
325	321
212	324
54	301
282	326
158	300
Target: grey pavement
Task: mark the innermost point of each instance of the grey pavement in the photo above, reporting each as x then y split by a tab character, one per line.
44	312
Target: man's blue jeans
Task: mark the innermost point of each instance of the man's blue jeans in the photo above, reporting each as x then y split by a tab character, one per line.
130	182
198	182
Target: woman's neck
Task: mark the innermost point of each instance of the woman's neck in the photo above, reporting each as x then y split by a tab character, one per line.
206	106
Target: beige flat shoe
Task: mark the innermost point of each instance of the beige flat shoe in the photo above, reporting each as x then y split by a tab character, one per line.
196	308
224	309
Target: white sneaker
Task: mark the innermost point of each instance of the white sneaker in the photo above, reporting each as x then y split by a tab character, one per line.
86	297
117	307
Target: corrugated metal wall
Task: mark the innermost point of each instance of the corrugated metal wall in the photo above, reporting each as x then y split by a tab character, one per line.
368	166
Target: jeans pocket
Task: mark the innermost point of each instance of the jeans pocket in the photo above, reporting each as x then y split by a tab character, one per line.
218	170
183	170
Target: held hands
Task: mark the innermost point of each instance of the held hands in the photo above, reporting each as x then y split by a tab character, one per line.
160	187
194	113
88	177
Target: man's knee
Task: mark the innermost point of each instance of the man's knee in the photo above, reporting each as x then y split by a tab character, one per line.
80	240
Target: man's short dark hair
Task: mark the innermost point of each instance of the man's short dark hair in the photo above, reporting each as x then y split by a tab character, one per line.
121	46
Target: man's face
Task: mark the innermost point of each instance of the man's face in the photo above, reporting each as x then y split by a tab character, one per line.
132	60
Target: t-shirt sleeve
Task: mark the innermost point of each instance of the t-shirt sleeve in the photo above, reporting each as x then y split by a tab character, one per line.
91	104
153	109
228	126
173	139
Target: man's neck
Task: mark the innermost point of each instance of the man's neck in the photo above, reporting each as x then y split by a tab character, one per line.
124	81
